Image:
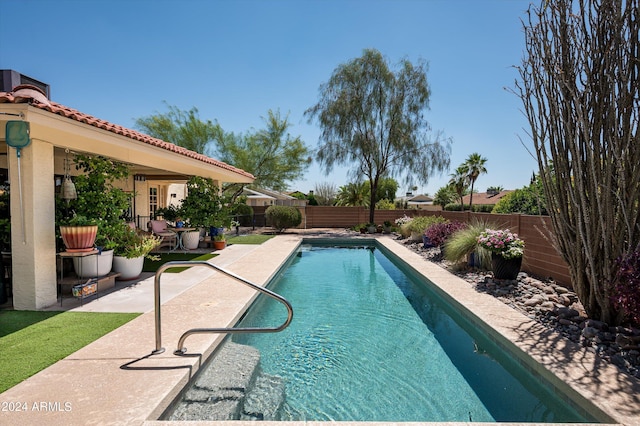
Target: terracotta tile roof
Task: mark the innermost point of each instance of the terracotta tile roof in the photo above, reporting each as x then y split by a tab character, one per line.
485	198
36	98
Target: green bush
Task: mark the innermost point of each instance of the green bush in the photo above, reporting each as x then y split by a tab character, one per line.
525	201
464	242
244	213
477	208
385	204
420	224
283	217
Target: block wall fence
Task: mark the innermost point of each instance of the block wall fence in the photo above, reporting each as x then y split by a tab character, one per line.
540	257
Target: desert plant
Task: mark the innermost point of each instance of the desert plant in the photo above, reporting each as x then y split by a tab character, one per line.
627	285
283	217
464	242
439	233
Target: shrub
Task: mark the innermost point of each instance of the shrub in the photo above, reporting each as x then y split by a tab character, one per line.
244	214
627	285
283	217
464	242
385	204
419	224
438	233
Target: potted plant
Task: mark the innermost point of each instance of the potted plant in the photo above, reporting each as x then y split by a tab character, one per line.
506	252
99	202
132	246
78	233
386	227
219	241
371	228
204	207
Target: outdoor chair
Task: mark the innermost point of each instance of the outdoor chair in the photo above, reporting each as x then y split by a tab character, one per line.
160	228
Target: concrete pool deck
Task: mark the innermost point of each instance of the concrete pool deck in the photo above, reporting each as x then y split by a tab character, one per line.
115	380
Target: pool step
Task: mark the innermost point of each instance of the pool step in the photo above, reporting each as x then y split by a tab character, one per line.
265	399
232	387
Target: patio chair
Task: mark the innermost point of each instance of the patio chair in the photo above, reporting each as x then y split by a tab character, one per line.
160	228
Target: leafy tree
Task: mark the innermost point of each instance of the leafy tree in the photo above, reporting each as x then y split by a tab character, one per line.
474	167
183	128
528	200
325	193
353	194
272	155
373	118
387	188
580	87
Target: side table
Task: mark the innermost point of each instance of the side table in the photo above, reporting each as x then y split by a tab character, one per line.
82	289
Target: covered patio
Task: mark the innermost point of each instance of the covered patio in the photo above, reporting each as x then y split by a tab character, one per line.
55	129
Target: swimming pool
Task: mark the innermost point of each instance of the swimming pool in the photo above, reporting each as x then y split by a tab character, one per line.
372	343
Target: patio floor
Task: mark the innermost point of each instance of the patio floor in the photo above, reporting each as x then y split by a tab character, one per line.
115	380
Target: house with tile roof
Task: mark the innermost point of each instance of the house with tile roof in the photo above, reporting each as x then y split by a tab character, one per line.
485	198
53	129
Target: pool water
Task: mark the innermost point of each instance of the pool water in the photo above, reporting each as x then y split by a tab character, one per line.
368	343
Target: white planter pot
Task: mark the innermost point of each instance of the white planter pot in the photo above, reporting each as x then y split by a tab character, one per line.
191	239
94	265
128	269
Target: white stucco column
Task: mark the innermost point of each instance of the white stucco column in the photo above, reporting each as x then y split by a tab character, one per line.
34	252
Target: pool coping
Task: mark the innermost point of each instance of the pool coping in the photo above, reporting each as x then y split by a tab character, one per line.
114	380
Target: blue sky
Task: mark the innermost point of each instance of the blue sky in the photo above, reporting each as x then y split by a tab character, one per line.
234	60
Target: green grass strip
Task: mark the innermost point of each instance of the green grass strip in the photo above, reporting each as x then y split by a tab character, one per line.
249	239
32	341
153	265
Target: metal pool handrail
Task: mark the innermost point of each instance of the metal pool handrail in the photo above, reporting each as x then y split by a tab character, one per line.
181	349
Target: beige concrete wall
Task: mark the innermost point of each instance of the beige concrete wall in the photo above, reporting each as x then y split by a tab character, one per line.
34	258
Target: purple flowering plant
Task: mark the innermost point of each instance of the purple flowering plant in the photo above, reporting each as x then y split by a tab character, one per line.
502	242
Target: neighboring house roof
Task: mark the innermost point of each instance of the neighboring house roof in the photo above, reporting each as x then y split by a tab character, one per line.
251	194
415	199
420	199
36	98
485	197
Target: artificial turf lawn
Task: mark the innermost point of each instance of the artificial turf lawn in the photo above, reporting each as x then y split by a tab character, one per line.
249	239
34	340
153	265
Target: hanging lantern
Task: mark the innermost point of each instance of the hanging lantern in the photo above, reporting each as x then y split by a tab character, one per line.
68	191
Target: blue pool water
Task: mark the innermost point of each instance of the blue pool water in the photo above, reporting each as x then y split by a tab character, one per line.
368	343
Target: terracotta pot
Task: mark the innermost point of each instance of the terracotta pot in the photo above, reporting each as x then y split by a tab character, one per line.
219	245
79	238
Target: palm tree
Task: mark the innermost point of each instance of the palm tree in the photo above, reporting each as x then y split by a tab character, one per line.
459	181
474	167
353	194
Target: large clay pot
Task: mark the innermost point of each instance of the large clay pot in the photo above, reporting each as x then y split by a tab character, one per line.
97	265
79	238
505	269
128	269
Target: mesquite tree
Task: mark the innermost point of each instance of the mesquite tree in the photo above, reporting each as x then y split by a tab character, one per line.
579	83
373	118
